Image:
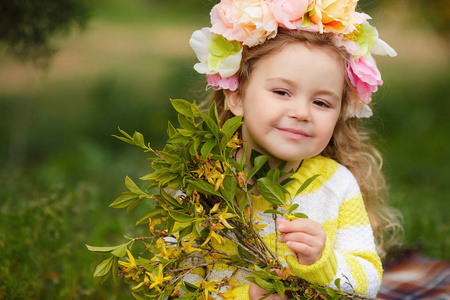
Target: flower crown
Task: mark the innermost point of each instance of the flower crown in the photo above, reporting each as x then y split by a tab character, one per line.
246	23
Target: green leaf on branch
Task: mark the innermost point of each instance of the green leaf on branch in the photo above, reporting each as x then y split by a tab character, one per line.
183	107
271	191
171	130
189	287
272	211
133	187
258	164
179	138
279	288
138	140
300	215
212	113
229	129
169	199
135	203
180	217
187	124
229	190
120	251
102	249
211	125
243	202
292	208
126	137
306	184
207	147
185	231
274	174
137	296
186	133
124	200
196	228
337	283
264	284
104	268
203	187
231	125
170	224
150	214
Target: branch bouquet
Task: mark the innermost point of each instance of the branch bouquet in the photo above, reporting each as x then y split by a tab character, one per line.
201	197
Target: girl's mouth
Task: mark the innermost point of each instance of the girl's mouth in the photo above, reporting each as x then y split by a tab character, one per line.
293	133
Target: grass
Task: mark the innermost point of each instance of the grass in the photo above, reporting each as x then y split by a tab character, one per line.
415	143
43	231
62	168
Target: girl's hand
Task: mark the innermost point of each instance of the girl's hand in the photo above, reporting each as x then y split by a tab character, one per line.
256	292
305	237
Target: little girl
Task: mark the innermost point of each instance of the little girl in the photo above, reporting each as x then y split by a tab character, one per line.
301	74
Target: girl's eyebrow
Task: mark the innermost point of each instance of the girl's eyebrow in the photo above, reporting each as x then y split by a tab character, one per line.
282	79
335	96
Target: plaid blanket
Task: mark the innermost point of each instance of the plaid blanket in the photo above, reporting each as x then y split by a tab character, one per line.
416	277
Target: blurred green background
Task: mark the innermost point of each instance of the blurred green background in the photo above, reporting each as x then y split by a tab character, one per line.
60	168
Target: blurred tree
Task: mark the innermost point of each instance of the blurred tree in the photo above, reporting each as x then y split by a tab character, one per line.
435	12
28	27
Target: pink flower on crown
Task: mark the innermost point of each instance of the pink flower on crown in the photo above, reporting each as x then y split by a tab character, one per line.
333	15
364	76
287	12
218	83
247	21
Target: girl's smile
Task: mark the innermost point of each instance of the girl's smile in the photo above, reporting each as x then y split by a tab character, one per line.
293	134
291	103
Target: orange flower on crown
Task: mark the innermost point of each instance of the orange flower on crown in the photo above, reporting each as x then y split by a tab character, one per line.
333	15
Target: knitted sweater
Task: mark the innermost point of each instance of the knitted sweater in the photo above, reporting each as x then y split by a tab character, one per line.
335	201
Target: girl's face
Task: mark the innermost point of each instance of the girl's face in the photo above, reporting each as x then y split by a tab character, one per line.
291	103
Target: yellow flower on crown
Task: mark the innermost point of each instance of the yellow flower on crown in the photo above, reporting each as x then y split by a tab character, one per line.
333	15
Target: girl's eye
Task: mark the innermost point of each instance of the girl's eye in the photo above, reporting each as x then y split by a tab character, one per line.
281	92
321	103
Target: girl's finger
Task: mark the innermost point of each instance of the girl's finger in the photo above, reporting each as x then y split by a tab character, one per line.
306	254
302	225
301	237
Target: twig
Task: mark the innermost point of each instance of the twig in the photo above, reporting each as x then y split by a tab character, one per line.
156	153
249	201
192	267
226	254
257	248
245	248
268	249
274	217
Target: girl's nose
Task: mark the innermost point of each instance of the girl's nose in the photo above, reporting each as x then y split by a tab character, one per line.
300	110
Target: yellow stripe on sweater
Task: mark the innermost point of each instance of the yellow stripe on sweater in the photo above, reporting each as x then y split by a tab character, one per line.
318	165
371	257
353	213
358	274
